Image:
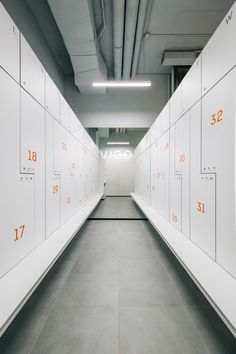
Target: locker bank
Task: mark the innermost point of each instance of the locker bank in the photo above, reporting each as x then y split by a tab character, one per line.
117	182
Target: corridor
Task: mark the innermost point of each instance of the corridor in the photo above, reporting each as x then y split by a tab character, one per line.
117	289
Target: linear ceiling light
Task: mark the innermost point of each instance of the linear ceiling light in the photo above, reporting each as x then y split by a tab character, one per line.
122	83
118	143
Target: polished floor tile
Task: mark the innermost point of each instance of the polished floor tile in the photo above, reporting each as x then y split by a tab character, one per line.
143	282
79	330
117	289
158	330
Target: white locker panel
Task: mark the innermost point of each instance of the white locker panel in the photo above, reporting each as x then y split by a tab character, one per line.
9	44
218	56
53	204
164	180
182	166
17	191
32	134
191	86
52	98
65	113
218	156
33	154
175	105
175	201
67	197
165	118
155	176
147	178
32	73
53	183
175	186
156	130
60	149
202	192
79	191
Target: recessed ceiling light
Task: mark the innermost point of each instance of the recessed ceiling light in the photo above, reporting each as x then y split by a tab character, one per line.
122	83
118	143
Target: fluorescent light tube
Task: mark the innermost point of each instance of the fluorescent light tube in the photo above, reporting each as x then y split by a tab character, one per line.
122	83
118	143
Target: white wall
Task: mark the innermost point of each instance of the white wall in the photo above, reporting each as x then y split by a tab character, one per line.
119	107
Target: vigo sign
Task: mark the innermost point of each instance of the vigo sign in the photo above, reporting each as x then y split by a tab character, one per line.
116	154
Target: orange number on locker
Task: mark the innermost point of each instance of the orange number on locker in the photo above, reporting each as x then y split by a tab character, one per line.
166	146
19	232
55	189
64	146
174	218
182	158
201	207
216	117
68	200
32	156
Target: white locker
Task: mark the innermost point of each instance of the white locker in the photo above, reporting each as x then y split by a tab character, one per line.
165	118
9	44
32	134
164	180
182	167
32	73
67	197
175	186
155	175
156	130
32	141
218	156
65	113
191	86
53	182
17	205
203	194
53	204
176	105
52	98
60	148
79	192
175	201
218	56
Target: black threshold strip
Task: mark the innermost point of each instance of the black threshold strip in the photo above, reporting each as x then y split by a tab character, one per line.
117	219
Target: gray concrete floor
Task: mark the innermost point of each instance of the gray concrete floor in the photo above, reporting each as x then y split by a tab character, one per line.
117	289
117	207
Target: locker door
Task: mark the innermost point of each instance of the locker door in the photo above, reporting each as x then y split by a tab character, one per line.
147	159
32	73
202	192
164	175
9	44
53	183
53	208
80	177
175	186
175	105
60	147
154	187
218	56
182	166
17	206
165	121
156	130
33	154
52	95
67	197
65	113
218	156
32	134
191	86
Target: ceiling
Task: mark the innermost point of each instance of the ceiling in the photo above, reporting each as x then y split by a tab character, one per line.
72	27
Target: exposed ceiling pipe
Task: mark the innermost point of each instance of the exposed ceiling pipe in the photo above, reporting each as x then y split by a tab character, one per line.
139	34
118	33
131	14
